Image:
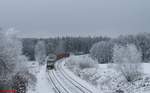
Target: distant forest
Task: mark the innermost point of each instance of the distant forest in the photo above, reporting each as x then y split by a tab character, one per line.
64	44
84	44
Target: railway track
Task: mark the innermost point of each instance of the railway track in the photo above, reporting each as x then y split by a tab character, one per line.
56	90
57	85
82	88
64	83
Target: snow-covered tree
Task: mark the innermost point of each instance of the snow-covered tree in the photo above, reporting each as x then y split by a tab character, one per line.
102	51
40	52
28	47
141	40
10	53
50	47
128	60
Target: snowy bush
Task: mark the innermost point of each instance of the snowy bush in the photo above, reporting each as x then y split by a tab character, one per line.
109	80
87	74
102	51
40	52
83	66
128	60
81	62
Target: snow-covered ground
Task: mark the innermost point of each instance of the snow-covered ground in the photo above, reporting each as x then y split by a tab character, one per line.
110	78
146	68
72	83
107	79
42	84
79	80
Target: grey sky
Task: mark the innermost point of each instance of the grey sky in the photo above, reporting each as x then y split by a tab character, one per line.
49	18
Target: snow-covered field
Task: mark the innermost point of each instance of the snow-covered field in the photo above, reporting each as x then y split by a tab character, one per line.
42	85
79	81
108	79
111	80
71	83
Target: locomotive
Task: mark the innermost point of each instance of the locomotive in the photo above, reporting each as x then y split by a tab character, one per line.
52	58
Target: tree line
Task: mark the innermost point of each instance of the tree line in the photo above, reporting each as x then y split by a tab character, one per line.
59	45
86	45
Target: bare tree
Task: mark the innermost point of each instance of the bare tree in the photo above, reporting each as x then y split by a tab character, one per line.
40	52
128	60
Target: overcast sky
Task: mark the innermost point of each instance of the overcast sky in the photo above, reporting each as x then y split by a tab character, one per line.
49	18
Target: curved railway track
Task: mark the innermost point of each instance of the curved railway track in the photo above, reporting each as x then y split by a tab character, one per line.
72	81
53	84
64	83
57	86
